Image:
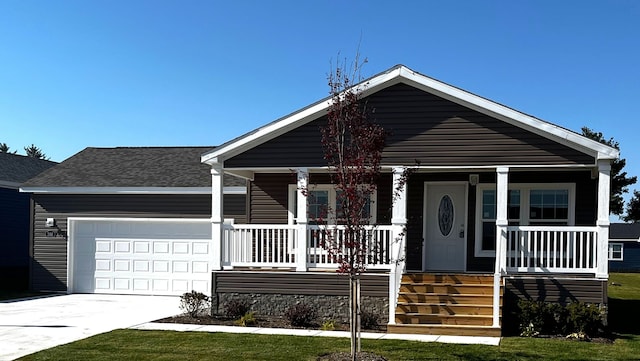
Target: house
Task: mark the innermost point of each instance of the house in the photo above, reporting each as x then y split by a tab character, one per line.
624	247
501	206
126	220
14	217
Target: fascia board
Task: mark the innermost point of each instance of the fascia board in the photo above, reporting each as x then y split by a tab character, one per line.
511	116
10	185
128	190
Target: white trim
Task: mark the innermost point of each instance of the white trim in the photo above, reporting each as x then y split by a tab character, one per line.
402	74
10	185
609	252
524	205
71	221
130	190
424	219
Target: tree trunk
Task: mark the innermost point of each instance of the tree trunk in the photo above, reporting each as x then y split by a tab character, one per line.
354	313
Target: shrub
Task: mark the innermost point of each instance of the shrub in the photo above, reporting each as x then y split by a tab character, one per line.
369	320
584	318
328	325
247	320
194	303
300	315
553	319
236	308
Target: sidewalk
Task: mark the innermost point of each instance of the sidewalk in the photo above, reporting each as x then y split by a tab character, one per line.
492	341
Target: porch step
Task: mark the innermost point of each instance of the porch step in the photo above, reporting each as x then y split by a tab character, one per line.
446	304
449	330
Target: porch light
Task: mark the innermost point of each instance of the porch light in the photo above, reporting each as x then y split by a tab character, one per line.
473	179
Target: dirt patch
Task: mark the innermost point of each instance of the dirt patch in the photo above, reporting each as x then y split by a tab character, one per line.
261	321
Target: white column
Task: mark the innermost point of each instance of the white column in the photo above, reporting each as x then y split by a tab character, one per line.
604	194
217	217
502	221
398	254
301	219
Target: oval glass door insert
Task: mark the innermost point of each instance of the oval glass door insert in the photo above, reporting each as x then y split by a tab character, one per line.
445	215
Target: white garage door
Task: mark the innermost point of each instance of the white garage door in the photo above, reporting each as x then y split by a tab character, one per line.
151	257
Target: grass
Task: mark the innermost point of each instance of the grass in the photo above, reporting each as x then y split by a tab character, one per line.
624	318
169	345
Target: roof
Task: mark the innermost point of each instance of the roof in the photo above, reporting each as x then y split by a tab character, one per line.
15	168
630	231
402	74
129	167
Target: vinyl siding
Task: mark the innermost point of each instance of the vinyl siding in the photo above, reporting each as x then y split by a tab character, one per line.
291	283
631	258
49	254
14	239
422	127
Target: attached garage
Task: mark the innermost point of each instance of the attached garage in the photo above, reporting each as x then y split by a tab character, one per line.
139	256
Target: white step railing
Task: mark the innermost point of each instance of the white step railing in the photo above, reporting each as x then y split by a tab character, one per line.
561	249
260	245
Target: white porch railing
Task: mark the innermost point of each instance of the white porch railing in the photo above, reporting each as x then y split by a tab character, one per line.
544	249
260	245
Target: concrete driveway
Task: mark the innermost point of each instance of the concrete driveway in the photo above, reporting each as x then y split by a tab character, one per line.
32	325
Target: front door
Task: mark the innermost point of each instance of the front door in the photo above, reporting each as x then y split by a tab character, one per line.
445	231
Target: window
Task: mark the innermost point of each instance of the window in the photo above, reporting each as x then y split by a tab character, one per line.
318	200
528	204
616	251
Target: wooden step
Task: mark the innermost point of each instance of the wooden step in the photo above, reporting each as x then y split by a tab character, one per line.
439	298
449	289
444	309
422	319
447	278
486	331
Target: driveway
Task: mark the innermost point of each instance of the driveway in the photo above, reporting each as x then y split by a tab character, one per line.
32	325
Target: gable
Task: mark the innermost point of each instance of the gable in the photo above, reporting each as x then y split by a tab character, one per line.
424	127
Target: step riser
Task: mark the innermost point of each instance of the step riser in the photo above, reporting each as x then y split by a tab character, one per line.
451	330
445	309
455	279
444	320
447	289
448	299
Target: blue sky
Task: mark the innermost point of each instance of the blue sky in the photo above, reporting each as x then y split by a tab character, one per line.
82	73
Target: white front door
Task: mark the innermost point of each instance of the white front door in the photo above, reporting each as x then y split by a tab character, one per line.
445	231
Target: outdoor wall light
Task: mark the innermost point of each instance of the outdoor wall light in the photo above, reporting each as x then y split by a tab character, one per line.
474	179
51	222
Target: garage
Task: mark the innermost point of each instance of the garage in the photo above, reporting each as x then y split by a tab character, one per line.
139	256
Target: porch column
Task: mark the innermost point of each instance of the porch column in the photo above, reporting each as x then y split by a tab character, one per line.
301	219
217	217
502	221
604	193
398	246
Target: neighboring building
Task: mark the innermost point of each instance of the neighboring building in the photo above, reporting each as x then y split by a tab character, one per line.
624	247
499	203
14	217
113	203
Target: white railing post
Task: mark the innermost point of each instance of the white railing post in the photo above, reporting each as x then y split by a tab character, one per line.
502	222
398	254
217	218
301	220
604	192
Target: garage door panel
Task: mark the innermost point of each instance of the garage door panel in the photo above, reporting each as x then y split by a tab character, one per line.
107	259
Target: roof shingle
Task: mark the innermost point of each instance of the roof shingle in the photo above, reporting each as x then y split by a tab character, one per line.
17	168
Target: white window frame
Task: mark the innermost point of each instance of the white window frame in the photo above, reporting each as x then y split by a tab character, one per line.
291	204
524	189
610	251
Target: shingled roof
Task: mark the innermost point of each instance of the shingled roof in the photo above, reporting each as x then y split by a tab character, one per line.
131	167
630	231
15	168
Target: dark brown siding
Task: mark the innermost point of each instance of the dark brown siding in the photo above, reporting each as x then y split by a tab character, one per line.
49	254
235	206
291	283
423	127
556	290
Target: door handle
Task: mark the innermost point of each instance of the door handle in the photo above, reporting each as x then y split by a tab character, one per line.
461	234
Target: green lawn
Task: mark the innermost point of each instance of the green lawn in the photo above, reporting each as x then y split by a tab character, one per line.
168	345
624	317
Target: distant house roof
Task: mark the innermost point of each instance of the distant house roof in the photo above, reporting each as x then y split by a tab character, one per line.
16	169
628	231
129	169
401	74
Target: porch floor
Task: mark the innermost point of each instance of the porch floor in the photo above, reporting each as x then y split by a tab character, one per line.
459	304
